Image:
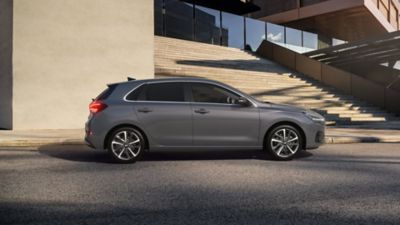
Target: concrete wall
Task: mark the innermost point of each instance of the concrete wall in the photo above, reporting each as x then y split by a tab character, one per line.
336	78
285	56
6	64
368	90
309	66
349	83
392	100
66	51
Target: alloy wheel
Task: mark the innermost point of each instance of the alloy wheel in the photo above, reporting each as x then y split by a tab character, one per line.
126	145
285	142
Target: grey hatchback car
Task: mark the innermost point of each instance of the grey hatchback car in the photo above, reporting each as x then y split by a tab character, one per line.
131	117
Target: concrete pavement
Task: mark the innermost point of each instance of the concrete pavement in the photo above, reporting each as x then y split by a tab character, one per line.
334	135
333	185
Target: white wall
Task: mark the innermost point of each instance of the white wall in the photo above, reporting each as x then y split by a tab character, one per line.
66	51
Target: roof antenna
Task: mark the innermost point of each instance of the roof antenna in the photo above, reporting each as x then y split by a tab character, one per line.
131	78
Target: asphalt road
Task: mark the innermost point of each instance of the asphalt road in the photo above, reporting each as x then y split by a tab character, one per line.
336	184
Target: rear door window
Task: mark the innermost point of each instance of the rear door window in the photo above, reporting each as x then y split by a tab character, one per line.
165	92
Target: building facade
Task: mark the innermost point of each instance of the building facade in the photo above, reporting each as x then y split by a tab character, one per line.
349	20
55	55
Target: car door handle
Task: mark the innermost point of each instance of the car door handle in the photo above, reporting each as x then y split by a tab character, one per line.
201	111
145	110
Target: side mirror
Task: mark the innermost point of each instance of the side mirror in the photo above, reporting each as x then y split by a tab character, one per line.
243	101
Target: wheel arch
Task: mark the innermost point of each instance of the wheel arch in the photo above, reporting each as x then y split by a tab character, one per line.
146	140
290	123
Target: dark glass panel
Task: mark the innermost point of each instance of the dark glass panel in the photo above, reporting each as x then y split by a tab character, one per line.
158	17
179	19
207	28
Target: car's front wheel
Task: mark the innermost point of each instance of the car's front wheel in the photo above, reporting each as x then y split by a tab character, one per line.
283	142
126	145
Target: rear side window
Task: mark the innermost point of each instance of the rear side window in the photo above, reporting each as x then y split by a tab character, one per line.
137	94
165	92
106	93
161	92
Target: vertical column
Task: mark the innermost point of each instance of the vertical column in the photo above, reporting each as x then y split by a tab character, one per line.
164	24
6	79
244	33
220	28
194	22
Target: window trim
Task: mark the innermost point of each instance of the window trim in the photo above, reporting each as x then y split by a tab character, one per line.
151	82
188	99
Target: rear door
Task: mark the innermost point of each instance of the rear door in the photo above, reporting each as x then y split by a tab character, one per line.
164	114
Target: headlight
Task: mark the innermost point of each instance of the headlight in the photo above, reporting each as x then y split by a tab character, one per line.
314	116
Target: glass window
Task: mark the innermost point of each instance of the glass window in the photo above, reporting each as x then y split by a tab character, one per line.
275	33
310	41
137	94
212	94
293	37
337	42
255	34
179	19
232	30
158	17
106	93
167	92
324	41
310	2
207	28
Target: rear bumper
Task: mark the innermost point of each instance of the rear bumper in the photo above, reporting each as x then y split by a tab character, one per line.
88	143
93	139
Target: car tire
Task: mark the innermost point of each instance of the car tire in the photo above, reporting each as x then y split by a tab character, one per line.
283	142
126	145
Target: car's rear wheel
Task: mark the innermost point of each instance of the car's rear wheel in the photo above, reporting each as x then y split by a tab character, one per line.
284	142
126	145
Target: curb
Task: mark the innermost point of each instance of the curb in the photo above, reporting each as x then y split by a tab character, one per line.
350	140
328	140
40	142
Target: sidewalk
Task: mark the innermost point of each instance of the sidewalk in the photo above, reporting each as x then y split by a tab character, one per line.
334	135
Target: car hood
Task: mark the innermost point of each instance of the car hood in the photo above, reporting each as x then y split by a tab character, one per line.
282	107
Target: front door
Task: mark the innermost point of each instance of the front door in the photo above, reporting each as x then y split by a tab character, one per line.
218	121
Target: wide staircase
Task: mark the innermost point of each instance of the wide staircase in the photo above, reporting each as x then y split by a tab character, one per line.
261	78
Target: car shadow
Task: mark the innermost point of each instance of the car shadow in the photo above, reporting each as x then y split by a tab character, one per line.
80	153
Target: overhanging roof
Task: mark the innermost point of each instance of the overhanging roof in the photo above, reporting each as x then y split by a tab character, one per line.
349	20
239	7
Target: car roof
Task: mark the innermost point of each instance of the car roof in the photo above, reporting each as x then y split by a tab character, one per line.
172	79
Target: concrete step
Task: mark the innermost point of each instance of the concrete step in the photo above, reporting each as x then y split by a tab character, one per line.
264	79
187	70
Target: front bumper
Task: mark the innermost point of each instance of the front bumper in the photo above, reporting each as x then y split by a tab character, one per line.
315	135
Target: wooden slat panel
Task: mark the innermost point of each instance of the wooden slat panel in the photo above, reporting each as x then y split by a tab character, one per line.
384	3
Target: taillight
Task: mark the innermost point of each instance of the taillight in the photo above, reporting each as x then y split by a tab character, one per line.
97	106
